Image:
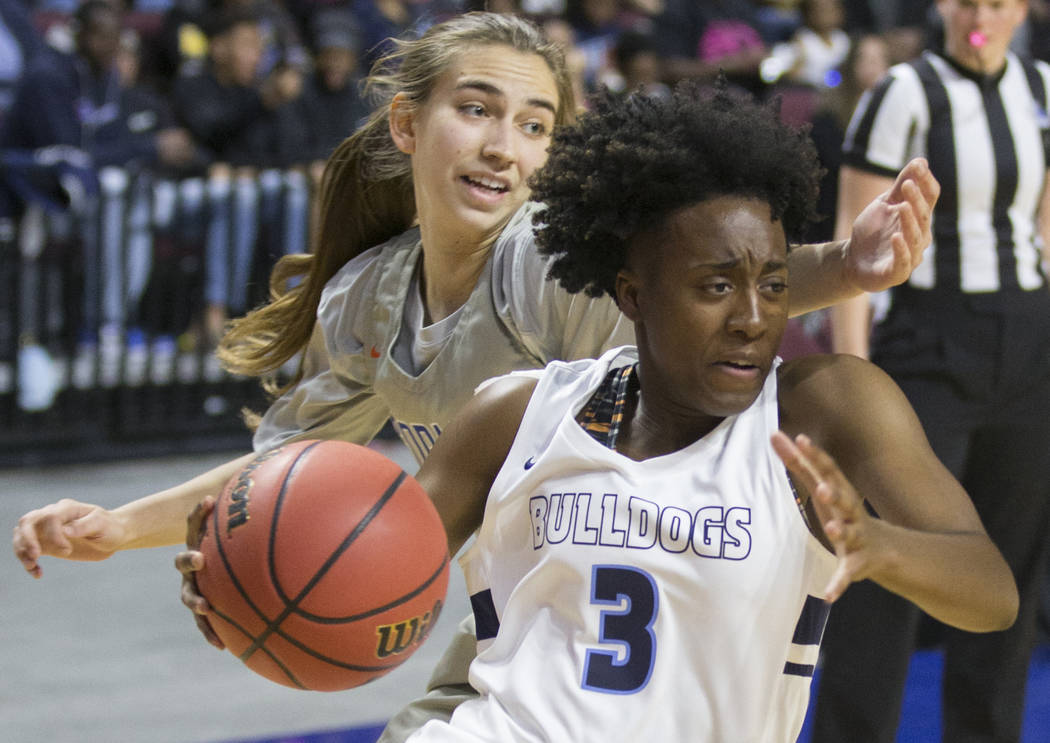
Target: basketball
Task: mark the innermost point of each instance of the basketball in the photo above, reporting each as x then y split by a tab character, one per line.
326	565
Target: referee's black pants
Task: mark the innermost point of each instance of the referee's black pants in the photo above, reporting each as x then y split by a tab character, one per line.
980	384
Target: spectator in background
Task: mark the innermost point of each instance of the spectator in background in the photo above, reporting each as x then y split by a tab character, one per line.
227	106
1039	29
903	23
381	20
881	16
697	40
596	25
332	100
638	67
561	33
816	49
19	43
182	43
777	20
248	123
179	43
77	100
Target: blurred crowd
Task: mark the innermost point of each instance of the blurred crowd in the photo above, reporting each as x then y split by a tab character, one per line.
183	85
230	108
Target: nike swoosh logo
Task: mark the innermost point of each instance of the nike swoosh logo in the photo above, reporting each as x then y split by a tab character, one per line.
529	462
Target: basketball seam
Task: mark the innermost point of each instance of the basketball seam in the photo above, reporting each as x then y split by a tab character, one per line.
372	612
292	606
291	676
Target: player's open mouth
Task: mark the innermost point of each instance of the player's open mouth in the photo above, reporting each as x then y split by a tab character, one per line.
738	368
486	183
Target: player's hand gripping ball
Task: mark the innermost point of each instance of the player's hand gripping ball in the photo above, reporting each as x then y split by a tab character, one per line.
326	565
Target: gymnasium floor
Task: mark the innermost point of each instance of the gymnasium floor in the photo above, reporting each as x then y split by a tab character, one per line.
105	652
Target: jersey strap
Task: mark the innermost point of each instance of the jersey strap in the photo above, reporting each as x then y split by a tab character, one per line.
603	414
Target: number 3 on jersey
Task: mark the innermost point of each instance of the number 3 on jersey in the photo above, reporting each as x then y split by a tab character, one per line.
628	625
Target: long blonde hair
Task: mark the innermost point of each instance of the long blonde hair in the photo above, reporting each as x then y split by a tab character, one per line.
366	194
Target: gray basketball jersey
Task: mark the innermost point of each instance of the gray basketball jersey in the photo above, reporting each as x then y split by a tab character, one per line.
514	319
672	599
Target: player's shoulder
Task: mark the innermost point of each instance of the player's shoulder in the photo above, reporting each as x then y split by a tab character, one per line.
516	264
828	391
356	278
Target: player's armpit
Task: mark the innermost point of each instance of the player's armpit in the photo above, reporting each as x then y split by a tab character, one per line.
464	462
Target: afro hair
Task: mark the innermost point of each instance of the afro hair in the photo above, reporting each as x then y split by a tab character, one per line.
630	161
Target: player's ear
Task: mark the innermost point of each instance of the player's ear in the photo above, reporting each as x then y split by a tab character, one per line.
402	124
627	293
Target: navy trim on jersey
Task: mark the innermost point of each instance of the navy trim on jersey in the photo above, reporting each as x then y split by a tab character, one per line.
810	627
808	632
485	619
799	669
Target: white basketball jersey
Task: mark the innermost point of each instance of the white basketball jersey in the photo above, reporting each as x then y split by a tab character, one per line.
670	600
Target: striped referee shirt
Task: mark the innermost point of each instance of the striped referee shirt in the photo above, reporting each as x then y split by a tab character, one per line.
986	141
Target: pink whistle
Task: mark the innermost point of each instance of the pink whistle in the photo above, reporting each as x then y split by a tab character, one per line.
977	39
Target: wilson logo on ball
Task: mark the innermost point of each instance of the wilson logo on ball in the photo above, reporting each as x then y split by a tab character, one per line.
399	637
237	512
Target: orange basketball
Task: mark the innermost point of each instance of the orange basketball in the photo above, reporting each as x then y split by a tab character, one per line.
326	565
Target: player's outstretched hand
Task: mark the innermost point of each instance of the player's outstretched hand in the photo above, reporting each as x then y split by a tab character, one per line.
68	529
890	236
851	530
188	563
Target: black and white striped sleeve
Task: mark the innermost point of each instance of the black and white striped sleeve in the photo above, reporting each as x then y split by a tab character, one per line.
888	125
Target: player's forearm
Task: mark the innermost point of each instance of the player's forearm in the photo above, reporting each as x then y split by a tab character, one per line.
160	519
851	326
959	578
818	277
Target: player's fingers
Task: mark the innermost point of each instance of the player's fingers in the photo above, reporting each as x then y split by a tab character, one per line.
191	598
838	583
195	521
52	536
833	488
26	550
833	531
846	536
188	562
915	232
209	633
896	195
915	170
928	185
795	460
24	540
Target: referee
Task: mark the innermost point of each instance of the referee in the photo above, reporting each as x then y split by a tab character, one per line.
968	340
